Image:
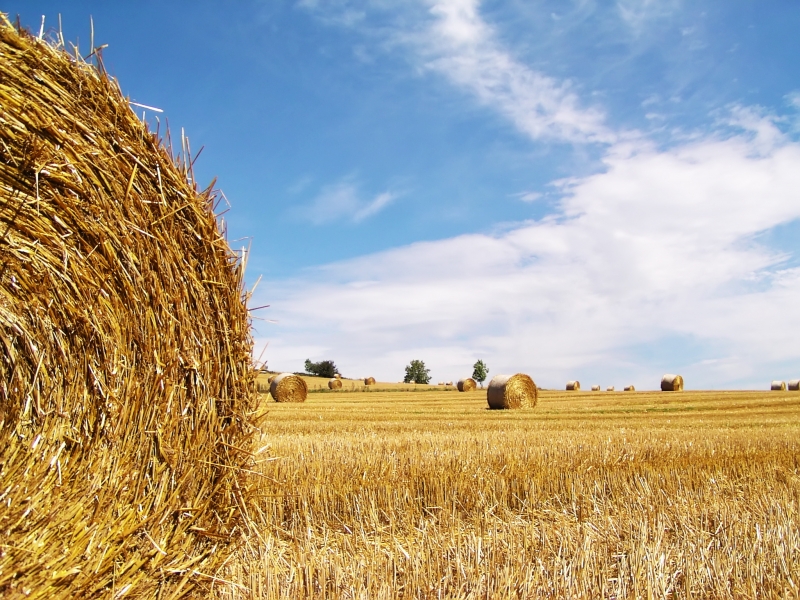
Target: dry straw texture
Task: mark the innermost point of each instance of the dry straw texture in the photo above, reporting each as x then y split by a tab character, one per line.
288	387
671	383
794	385
511	391
334	384
778	386
573	386
467	385
369	381
630	388
595	388
126	386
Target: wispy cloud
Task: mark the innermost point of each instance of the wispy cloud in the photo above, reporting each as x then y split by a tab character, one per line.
638	14
460	45
451	38
343	200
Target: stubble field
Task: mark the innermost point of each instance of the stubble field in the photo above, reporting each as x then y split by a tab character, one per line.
589	495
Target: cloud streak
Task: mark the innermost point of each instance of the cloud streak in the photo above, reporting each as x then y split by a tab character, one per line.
342	200
462	47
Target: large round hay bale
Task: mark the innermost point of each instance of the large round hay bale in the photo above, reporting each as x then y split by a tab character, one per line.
288	387
512	391
630	388
334	384
778	386
595	388
467	385
126	383
794	385
671	383
573	386
369	381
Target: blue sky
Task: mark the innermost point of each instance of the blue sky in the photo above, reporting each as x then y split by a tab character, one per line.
603	191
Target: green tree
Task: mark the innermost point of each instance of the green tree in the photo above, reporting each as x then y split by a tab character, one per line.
325	368
417	373
480	371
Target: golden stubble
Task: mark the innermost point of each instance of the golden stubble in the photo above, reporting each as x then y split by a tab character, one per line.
590	494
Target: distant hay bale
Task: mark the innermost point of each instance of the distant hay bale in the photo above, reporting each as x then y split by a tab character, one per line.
449	383
288	387
512	391
671	383
334	384
440	383
337	376
573	386
270	378
369	381
630	388
595	388
127	390
794	385
610	388
467	385
778	386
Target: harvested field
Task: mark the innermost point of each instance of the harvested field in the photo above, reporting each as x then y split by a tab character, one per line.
587	495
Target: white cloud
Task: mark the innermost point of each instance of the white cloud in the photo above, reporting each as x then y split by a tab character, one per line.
342	200
658	247
461	46
528	196
637	14
450	38
652	265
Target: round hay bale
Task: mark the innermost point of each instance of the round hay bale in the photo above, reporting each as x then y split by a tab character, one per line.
630	388
467	385
512	391
573	386
671	383
270	378
794	385
449	383
288	387
778	386
595	388
369	381
337	376
610	388
126	381
334	384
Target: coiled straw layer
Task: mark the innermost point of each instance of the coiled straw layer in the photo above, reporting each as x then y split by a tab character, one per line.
512	391
288	387
126	386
